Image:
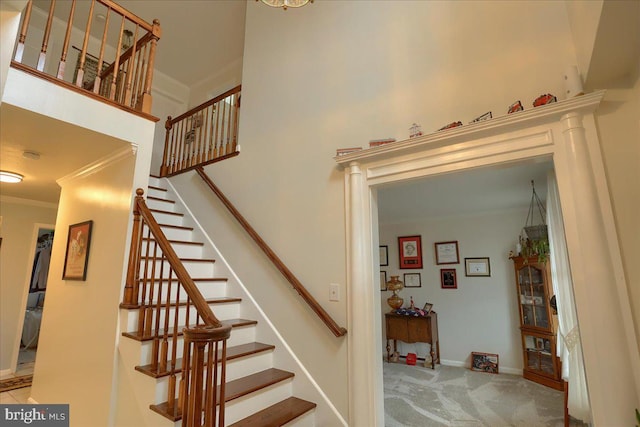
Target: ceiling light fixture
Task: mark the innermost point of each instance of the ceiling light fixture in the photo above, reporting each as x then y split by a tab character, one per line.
33	155
10	177
284	4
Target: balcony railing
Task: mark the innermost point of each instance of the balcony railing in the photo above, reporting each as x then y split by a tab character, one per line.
96	47
205	134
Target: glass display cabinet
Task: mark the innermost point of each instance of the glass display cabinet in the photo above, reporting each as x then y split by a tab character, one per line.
538	324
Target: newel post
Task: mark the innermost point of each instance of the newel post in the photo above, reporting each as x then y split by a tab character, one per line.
130	298
156	32
164	169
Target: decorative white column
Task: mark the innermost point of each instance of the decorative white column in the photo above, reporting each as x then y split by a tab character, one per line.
362	387
609	373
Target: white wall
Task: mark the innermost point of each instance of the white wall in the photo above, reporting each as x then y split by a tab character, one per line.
19	218
482	313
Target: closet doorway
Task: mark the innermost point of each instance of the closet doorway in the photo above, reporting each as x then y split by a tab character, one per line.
36	288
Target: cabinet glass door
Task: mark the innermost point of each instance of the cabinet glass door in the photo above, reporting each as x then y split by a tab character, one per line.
539	354
532	297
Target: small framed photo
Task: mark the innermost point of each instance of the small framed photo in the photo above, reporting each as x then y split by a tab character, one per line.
383	280
447	253
448	278
412	280
477	267
427	308
77	253
410	249
484	362
384	255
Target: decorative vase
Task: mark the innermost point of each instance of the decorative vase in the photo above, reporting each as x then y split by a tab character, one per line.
395	285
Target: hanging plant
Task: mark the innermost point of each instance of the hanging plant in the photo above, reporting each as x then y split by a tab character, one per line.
534	238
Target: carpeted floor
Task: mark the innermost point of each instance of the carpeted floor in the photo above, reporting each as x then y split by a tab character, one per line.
15	383
415	396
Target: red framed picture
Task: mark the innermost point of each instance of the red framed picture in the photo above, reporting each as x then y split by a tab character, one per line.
410	250
448	278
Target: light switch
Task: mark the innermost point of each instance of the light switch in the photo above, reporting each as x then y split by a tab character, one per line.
334	292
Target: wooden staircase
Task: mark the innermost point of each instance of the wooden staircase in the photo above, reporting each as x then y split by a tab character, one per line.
257	393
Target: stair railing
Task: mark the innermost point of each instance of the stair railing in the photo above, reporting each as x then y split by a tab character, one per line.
205	134
120	71
338	331
155	277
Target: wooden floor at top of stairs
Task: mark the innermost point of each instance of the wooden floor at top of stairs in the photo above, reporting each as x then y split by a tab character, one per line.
277	415
235	389
234	352
234	323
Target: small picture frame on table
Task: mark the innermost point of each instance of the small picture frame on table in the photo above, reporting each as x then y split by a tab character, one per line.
477	267
77	253
427	308
383	280
484	362
412	280
447	253
384	255
448	278
410	250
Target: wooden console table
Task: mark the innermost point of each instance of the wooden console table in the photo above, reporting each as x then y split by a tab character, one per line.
411	329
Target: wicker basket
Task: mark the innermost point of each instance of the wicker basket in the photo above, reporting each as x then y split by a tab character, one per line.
536	232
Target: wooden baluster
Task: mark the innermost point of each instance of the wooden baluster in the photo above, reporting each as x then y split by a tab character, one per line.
139	73
210	150
23	32
42	59
67	38
116	63
167	136
174	353
210	385
145	281
97	83
236	109
130	298
145	106
217	139
150	288
85	43
223	377
157	291
129	73
184	381
225	129
164	351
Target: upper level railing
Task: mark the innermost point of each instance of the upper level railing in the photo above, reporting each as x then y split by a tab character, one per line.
167	299
337	330
114	49
203	135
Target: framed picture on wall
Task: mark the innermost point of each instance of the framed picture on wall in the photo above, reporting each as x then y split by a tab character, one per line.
447	253
412	280
448	278
384	255
477	267
77	253
410	249
383	280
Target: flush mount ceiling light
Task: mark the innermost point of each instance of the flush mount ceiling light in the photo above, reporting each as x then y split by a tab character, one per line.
11	177
284	4
32	155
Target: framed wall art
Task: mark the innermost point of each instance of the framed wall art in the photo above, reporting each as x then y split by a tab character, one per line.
448	278
412	280
477	267
447	253
384	255
77	253
383	280
484	362
410	250
427	307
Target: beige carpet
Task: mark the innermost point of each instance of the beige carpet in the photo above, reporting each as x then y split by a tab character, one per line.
415	396
15	383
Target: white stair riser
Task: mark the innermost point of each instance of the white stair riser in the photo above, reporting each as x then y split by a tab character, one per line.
157	269
161	204
156	182
177	233
240	408
208	289
158	193
181	249
305	420
165	218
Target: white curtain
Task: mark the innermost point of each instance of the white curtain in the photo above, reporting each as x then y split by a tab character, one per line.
569	344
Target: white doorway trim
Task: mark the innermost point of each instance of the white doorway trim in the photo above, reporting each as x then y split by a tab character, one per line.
566	133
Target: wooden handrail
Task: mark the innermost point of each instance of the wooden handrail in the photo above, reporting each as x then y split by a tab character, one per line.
338	331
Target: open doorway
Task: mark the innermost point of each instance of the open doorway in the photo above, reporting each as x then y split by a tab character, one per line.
36	288
480	213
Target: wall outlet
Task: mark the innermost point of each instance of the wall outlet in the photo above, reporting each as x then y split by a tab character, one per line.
334	292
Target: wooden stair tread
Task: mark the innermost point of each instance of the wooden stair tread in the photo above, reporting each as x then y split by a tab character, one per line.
184	259
195	279
153	187
234	389
181	242
180	227
277	415
166	212
234	323
160	199
219	300
235	352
